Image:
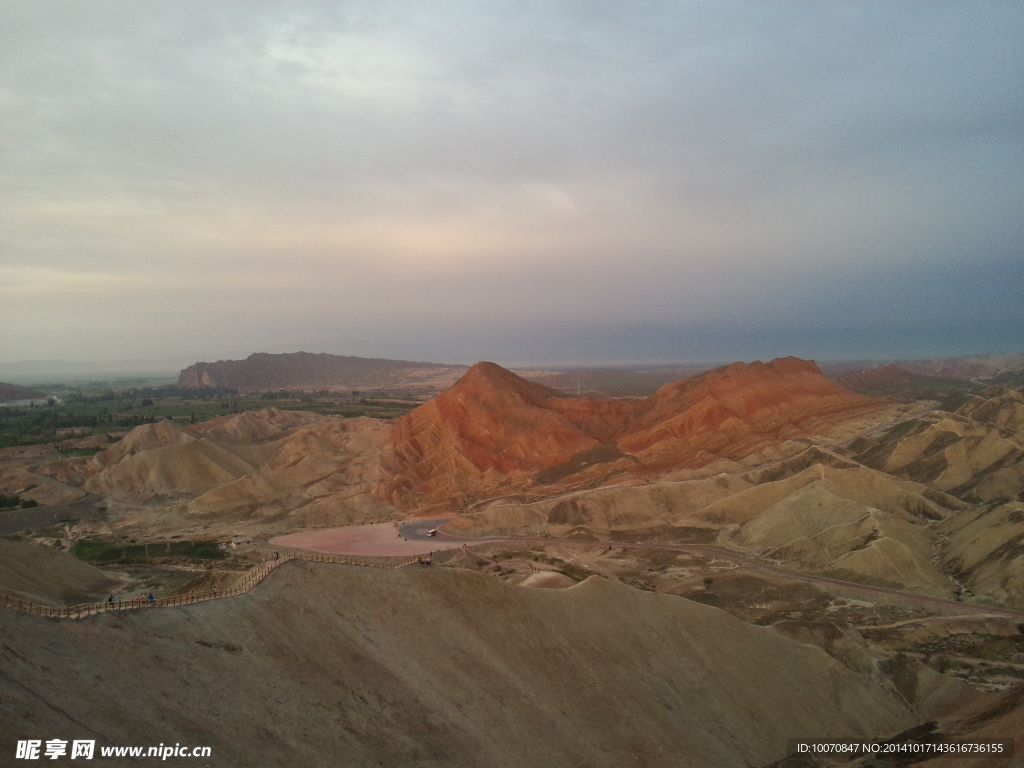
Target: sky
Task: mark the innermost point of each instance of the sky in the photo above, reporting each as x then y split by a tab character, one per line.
525	182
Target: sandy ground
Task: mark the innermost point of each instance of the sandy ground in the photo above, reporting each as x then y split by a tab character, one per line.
375	539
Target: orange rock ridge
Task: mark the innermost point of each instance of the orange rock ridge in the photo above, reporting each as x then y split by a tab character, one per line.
493	430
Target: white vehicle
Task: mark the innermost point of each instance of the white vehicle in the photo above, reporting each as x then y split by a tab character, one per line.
432	532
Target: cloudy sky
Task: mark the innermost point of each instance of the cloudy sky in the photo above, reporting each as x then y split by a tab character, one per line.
517	181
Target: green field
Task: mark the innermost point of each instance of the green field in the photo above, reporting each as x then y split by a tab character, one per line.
102	552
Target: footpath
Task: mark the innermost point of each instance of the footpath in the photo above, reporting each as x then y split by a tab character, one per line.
247	582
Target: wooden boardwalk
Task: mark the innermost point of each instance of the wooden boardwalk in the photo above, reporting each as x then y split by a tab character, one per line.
247	582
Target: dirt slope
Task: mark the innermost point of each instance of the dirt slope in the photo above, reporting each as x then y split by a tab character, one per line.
617	512
49	576
431	667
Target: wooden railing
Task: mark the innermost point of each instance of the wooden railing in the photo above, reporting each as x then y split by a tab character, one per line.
243	585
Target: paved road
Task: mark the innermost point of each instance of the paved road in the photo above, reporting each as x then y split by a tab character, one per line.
416	530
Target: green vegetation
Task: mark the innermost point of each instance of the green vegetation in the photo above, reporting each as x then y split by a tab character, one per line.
10	502
80	411
574	572
80	451
104	552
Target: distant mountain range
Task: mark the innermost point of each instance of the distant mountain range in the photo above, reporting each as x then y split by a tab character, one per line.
894	381
14	392
966	368
307	371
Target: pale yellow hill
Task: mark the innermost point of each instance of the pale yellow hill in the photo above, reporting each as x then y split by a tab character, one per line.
818	529
606	512
1001	484
904	499
254	426
320	474
893	562
146	437
986	544
1002	408
979	451
30	483
547	580
329	665
191	466
976	453
267	470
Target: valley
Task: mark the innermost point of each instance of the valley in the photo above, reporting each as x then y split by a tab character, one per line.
593	541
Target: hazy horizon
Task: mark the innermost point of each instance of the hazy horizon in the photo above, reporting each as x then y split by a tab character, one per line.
528	182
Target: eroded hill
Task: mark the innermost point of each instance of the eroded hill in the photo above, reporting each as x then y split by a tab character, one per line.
268	470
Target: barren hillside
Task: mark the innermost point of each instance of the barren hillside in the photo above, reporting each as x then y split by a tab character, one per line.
432	667
267	469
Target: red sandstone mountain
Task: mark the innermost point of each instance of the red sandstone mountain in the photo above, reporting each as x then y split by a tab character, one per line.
493	430
489	426
733	411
